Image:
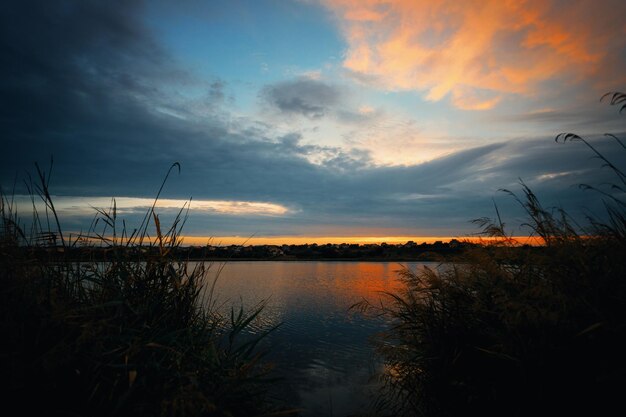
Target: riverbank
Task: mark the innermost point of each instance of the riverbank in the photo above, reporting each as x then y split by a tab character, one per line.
408	252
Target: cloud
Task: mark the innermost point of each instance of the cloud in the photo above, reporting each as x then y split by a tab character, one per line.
85	82
87	206
307	97
480	52
314	98
327	156
327	112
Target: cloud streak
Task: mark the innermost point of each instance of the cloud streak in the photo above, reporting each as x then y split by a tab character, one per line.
88	205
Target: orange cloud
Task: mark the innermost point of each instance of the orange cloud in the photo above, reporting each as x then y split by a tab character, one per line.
477	51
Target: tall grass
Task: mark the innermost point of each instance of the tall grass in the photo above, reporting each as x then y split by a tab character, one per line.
511	331
135	335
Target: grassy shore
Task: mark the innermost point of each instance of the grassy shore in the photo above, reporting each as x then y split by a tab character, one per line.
507	333
135	335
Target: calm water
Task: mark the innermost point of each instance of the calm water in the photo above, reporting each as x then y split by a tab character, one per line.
321	350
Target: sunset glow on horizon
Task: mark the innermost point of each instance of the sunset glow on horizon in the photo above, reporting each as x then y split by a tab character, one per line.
338	240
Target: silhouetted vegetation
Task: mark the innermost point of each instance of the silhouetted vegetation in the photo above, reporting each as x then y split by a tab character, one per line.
509	333
409	251
135	335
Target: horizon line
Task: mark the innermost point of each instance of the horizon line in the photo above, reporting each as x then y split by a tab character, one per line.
188	240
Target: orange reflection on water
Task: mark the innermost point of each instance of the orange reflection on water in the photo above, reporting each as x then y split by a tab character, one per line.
306	286
369	280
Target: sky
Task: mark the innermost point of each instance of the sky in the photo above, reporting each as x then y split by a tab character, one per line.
310	120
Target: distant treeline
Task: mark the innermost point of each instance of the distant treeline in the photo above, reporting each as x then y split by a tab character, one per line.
409	251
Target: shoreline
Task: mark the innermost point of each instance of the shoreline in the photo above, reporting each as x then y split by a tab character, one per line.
314	260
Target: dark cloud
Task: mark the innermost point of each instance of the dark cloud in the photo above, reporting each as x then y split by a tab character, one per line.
63	61
75	78
303	96
316	99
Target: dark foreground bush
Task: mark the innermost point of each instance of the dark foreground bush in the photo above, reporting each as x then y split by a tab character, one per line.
129	336
513	331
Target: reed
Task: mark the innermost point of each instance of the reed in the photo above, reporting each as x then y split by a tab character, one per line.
134	334
509	330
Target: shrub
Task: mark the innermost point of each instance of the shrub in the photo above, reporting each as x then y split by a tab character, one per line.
124	334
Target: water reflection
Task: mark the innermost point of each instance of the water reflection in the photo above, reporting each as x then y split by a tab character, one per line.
321	349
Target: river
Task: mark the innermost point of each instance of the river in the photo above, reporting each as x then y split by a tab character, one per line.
321	350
